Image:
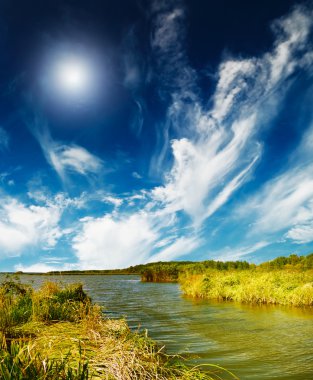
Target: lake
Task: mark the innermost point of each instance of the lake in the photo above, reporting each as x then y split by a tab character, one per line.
254	342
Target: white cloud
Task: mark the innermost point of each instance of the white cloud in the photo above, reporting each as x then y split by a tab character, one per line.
66	158
221	148
214	153
232	81
302	233
194	183
179	248
113	200
114	242
233	254
43	267
74	158
293	31
283	202
36	268
22	226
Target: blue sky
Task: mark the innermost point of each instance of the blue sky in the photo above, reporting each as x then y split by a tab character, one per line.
163	130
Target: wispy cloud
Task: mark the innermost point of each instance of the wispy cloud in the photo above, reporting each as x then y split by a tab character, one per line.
283	201
4	139
214	154
177	249
67	158
135	73
167	44
215	160
136	175
238	253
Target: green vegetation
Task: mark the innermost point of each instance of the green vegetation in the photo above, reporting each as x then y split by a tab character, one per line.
291	262
57	333
170	271
252	286
285	280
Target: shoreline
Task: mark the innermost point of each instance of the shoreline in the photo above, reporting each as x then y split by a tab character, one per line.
58	331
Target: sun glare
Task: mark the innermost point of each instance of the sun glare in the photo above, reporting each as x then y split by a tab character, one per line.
72	75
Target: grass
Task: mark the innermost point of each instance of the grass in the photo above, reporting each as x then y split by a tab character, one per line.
284	280
57	333
284	287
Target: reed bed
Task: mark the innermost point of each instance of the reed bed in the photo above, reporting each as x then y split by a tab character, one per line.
294	288
57	333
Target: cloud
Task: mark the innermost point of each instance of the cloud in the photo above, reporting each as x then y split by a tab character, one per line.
222	146
294	31
194	183
285	202
65	158
72	158
215	145
179	248
214	152
23	226
36	268
114	242
302	233
233	254
113	200
136	175
282	201
75	158
4	139
42	267
168	50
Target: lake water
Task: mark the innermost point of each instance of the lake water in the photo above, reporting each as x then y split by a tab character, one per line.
255	342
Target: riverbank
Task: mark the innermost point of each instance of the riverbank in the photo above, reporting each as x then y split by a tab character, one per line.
283	281
57	333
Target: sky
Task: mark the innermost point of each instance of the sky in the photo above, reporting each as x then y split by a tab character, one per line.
139	131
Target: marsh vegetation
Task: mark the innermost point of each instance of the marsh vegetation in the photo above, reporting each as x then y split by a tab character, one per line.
284	281
56	332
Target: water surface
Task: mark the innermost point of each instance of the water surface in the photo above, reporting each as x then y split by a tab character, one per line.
255	342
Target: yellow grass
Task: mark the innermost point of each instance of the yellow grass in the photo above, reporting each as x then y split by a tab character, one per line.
252	286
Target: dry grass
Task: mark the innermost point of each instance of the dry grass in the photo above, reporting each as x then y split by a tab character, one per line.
66	337
114	352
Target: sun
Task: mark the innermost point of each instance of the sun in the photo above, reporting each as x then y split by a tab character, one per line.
72	75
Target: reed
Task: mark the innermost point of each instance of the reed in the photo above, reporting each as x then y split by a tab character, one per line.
253	286
57	333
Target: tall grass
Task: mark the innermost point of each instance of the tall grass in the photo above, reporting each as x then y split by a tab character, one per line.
15	305
52	303
252	286
21	363
57	333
